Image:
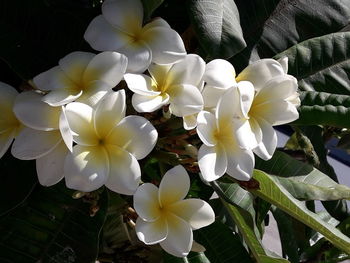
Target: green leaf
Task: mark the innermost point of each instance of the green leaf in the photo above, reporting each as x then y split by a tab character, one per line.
241	219
217	26
149	6
221	244
51	226
321	108
304	182
193	257
272	26
321	64
271	191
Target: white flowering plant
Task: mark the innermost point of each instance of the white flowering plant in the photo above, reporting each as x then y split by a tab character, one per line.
151	131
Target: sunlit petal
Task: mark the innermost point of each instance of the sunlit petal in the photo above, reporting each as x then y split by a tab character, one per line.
166	45
107	66
34	113
65	130
268	145
146	202
206	127
196	212
80	120
134	134
139	56
246	96
169	194
149	103
212	162
102	36
94	92
140	84
53	79
240	163
151	232
180	237
86	168
109	112
74	64
61	97
220	73
211	96
190	122
125	174
185	100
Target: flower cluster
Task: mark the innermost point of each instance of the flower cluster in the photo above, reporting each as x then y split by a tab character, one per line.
75	126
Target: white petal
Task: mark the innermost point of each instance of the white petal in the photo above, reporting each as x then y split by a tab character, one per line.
196	212
176	176
50	167
148	103
180	237
166	45
220	73
86	168
151	232
139	56
284	63
244	134
156	22
80	120
240	163
267	147
6	139
34	113
53	79
106	66
109	112
94	92
125	174
278	88
146	202
8	95
212	162
61	97
211	96
190	122
136	135
159	72
141	84
32	144
246	96
102	36
185	100
126	15
228	107
206	127
189	70
65	130
260	72
74	64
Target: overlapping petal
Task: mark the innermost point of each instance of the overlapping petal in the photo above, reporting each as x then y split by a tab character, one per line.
206	127
125	174
212	162
149	103
151	232
240	163
220	73
146	202
139	56
86	168
141	84
268	144
6	139
167	192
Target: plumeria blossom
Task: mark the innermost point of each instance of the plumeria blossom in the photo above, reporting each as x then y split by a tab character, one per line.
227	142
81	76
120	28
165	217
10	126
46	137
274	102
178	84
108	145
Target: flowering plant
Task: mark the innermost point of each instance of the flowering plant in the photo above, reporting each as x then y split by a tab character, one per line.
156	131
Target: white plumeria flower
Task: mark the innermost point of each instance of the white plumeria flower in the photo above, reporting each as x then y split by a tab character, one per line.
275	101
46	137
82	76
227	142
177	84
165	217
120	28
10	126
108	145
